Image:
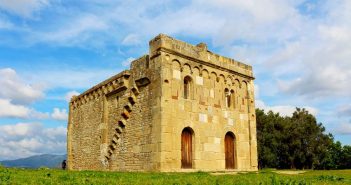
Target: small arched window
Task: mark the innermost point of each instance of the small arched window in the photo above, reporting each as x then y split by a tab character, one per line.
227	98
232	95
187	87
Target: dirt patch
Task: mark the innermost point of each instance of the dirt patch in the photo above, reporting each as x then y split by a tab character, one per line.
289	172
224	173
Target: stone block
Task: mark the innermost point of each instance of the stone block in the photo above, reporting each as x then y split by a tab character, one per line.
199	80
211	147
176	74
230	122
203	118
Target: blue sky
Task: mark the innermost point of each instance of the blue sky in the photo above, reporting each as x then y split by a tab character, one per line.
300	51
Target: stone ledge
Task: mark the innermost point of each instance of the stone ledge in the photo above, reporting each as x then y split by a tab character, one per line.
112	84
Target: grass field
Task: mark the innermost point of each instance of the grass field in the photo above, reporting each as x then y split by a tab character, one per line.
50	176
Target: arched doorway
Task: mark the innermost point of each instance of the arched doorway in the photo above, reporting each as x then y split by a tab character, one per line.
187	148
229	147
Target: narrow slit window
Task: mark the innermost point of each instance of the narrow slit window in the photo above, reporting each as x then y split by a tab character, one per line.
232	95
227	98
187	87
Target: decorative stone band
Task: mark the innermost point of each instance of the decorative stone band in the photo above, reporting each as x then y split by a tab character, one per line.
199	54
118	82
231	69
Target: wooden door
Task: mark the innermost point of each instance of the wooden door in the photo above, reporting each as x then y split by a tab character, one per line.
229	151
187	149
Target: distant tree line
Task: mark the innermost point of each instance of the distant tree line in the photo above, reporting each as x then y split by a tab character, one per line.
298	142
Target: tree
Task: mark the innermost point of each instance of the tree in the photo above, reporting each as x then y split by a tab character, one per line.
269	138
308	142
297	142
345	162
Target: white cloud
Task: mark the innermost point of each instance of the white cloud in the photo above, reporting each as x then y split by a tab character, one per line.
59	114
336	33
257	20
128	61
263	10
25	139
76	31
315	64
16	94
15	89
344	110
4	24
24	8
33	114
70	94
70	78
20	129
284	110
55	132
131	39
343	129
8	109
319	80
257	91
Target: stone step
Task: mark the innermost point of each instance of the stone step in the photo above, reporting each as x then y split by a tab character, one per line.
125	114
128	107
115	140
113	146
132	99
122	123
135	90
117	135
109	152
119	130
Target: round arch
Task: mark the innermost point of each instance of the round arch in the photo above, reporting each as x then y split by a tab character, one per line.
186	68
176	64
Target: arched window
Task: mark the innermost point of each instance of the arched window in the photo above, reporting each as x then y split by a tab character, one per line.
187	87
187	147
232	98
230	151
227	98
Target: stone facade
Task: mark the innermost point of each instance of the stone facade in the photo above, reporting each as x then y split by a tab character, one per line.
138	120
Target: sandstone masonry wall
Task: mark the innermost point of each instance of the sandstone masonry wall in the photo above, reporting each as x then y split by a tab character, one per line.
205	112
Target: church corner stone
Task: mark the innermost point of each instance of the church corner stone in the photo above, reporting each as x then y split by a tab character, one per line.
179	108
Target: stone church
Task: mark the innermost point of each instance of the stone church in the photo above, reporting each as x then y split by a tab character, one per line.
179	108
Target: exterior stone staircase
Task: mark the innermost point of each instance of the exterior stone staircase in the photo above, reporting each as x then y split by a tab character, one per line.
125	115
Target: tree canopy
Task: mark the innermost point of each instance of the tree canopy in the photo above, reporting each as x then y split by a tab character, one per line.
298	142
